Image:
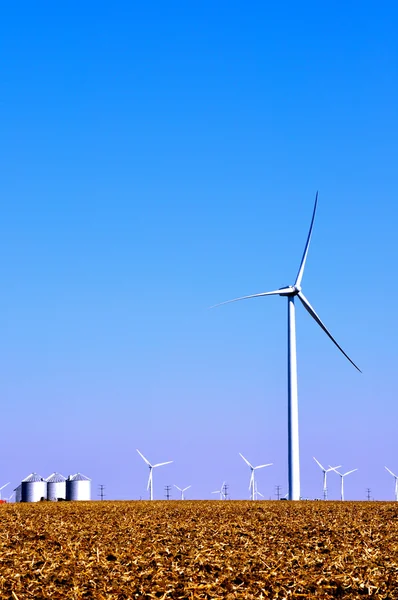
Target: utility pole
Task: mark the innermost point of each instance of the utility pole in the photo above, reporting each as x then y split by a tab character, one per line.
278	492
225	491
368	490
167	489
101	491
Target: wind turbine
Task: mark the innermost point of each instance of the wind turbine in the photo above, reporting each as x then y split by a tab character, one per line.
290	292
151	467
221	491
396	482
2	487
325	491
182	490
251	483
342	475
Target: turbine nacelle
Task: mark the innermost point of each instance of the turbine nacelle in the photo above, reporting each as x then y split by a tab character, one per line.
290	290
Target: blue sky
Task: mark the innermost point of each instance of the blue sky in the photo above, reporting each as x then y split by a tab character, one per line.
158	159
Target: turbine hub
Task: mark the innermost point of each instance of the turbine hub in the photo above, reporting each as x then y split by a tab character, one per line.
290	290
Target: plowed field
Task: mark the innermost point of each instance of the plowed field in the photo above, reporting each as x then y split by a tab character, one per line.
171	549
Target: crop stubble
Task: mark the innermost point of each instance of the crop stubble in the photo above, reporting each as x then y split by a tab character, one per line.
174	549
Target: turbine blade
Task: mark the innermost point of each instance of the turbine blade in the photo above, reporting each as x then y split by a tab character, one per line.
348	472
313	314
333	468
176	486
393	474
274	293
142	456
187	488
164	463
262	466
5	485
307	245
260	494
246	461
318	463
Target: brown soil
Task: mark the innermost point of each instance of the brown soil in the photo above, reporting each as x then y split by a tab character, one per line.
203	549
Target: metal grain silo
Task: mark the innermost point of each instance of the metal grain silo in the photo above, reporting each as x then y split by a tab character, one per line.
78	487
18	493
34	488
56	487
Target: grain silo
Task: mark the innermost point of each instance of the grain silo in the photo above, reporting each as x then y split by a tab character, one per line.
18	493
33	489
78	487
56	487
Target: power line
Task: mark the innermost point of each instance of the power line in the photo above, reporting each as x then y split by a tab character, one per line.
101	491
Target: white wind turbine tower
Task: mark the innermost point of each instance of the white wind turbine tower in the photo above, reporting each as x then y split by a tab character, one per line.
290	292
151	467
251	483
396	482
342	475
182	490
325	471
2	487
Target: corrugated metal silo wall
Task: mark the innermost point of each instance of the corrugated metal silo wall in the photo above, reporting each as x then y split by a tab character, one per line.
56	490
78	490
33	491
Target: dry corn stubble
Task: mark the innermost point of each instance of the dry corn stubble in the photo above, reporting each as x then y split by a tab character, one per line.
189	550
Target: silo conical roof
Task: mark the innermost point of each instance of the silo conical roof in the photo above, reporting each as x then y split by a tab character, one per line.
78	477
55	478
32	478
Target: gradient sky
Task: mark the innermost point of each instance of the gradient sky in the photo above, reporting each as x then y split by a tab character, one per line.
158	158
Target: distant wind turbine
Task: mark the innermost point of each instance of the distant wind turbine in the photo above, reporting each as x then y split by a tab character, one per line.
151	467
221	491
342	475
325	471
251	482
182	490
396	482
293	423
2	487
